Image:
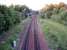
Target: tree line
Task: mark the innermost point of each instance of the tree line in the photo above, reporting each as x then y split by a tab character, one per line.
11	16
55	12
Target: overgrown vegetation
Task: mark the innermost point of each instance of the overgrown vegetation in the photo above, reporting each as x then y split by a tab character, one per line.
6	45
55	33
12	15
55	12
54	24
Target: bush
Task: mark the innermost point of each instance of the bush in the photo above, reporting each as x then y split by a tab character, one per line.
10	16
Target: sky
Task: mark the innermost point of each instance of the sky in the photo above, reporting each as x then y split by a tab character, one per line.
32	4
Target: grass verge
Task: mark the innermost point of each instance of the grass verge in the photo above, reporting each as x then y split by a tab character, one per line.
55	33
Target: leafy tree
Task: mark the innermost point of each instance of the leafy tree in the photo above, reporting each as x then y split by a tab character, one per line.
10	16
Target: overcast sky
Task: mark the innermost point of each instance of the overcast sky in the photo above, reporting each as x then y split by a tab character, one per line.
33	4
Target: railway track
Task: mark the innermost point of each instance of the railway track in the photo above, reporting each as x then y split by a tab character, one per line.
32	39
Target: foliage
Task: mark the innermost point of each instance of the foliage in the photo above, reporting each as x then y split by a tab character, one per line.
6	45
56	12
54	25
55	33
10	16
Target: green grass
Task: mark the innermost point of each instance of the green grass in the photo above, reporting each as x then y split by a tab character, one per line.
55	33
